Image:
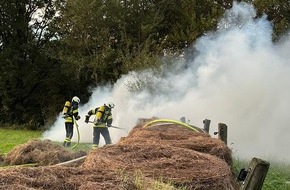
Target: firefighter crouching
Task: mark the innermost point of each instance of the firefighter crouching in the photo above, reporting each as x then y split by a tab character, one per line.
103	120
70	109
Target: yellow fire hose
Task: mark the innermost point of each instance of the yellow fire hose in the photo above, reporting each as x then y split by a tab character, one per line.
77	127
196	129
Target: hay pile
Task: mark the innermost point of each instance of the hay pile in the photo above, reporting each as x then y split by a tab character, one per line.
170	153
41	152
62	178
164	153
177	136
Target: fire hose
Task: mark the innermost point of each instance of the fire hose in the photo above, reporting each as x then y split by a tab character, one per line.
78	132
110	126
196	129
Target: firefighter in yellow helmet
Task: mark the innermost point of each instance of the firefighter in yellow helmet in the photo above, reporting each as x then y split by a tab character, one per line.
103	120
70	109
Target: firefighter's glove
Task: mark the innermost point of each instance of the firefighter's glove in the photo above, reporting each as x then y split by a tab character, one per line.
87	118
78	117
65	115
97	122
109	125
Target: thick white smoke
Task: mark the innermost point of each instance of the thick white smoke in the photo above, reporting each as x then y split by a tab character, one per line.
237	76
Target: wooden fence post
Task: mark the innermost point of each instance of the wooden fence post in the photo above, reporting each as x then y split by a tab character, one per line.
223	132
206	124
257	172
183	119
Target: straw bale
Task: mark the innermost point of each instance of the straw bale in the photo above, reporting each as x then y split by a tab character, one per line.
167	153
172	153
178	165
178	136
42	152
16	187
62	178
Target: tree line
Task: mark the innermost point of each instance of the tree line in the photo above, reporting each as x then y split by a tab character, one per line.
51	50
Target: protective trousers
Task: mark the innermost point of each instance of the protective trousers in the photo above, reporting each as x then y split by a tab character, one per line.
104	131
69	133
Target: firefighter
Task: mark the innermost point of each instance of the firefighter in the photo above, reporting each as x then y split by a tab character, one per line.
70	109
103	120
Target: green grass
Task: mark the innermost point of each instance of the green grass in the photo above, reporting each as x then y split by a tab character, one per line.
9	138
277	178
80	146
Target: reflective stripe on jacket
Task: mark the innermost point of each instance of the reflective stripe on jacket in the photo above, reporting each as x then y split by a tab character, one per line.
70	110
103	116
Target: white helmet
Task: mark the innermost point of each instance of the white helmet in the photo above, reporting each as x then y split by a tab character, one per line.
76	99
110	105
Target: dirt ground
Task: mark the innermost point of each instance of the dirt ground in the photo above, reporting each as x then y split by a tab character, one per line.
164	156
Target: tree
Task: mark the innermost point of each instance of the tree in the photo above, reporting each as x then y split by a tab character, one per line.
52	50
277	11
24	65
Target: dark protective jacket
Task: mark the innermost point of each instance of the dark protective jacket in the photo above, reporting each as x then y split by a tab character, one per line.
70	110
103	116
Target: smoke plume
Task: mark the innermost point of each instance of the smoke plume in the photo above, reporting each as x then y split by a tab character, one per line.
236	75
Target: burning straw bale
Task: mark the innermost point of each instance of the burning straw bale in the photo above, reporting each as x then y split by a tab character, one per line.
166	153
178	165
40	152
178	136
171	153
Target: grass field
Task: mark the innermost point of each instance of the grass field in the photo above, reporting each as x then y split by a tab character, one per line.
9	138
278	177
